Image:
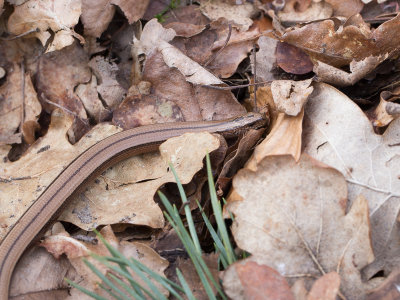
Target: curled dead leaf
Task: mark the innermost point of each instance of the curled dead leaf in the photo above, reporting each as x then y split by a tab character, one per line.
290	96
46	15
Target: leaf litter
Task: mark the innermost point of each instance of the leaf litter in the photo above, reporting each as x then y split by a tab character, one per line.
317	203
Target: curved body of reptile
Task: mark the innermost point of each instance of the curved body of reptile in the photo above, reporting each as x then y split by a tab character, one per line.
91	163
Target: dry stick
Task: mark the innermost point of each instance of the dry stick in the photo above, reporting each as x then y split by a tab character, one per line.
20	35
255	78
236	86
22	96
64	109
222	48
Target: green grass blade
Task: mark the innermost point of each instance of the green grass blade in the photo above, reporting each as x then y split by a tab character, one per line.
115	253
85	291
231	257
198	262
126	287
105	279
188	291
219	247
188	213
168	284
127	275
109	291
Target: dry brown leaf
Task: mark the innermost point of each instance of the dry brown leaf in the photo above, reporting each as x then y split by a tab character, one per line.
316	10
146	109
212	48
132	9
338	77
97	14
237	158
345	8
338	41
46	15
38	271
24	180
292	217
292	59
388	290
248	280
108	87
325	287
284	138
290	96
88	94
132	184
190	274
18	94
195	103
265	58
155	38
386	111
338	133
239	15
60	243
58	74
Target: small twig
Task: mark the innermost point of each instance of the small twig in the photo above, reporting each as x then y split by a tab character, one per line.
255	78
235	86
64	109
22	96
9	179
301	275
20	35
371	187
222	48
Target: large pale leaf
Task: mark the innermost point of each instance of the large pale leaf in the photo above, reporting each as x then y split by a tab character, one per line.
338	133
293	218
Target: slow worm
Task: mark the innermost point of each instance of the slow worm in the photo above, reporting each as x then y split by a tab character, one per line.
91	163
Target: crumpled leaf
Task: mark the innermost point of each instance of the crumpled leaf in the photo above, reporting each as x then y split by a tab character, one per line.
47	15
388	290
155	38
18	94
60	242
290	96
248	280
97	14
108	86
316	10
386	111
338	133
284	138
194	102
58	74
338	77
240	15
87	93
339	41
213	49
292	217
40	274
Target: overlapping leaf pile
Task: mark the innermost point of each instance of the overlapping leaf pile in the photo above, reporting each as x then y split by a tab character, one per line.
316	205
